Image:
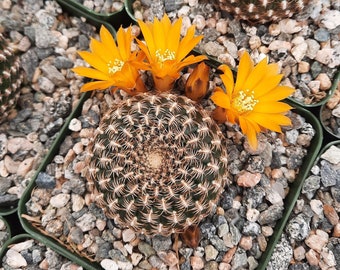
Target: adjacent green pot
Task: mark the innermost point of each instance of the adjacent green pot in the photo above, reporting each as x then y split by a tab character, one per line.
290	200
111	21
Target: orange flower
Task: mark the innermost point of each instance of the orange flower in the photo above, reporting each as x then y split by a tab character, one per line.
197	83
253	101
165	50
112	63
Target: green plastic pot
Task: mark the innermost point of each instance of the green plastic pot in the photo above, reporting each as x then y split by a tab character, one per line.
290	200
7	230
111	21
296	186
48	241
15	240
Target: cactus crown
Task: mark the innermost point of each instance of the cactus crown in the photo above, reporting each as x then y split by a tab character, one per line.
10	78
157	163
262	10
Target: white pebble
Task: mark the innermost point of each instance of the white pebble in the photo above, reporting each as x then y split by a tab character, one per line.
15	259
60	200
108	264
332	154
75	125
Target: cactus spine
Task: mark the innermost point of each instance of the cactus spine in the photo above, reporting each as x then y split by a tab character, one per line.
10	78
157	163
262	10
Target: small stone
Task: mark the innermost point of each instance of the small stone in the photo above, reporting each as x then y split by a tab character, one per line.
60	200
267	231
289	26
303	67
299	51
19	143
108	264
45	85
86	222
146	249
240	259
25	166
311	184
298	228
128	235
321	35
325	82
199	21
331	214
328	258
279	44
332	155
312	257
246	242
254	42
136	258
222	26
316	206
78	202
168	257
247	179
299	253
312	48
11	165
14	259
196	263
336	230
210	253
330	19
75	125
274	29
272	214
45	181
282	255
252	214
317	241
229	255
324	56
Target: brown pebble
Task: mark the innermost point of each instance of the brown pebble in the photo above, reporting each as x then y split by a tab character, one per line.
262	242
312	257
246	242
229	255
331	214
336	231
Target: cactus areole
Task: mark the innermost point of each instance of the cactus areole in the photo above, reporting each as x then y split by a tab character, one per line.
157	163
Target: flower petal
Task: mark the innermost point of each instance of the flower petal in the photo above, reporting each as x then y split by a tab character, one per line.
271	122
244	69
271	107
98	85
227	78
220	98
94	61
91	73
278	93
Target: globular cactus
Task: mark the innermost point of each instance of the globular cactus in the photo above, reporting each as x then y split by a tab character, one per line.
10	77
157	163
262	10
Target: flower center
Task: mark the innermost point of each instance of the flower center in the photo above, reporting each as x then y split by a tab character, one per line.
166	55
155	160
117	65
245	101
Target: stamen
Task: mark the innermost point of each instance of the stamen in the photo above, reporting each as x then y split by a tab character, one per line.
117	65
167	55
245	101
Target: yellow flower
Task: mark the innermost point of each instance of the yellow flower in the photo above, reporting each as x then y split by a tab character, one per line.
253	101
165	50
112	63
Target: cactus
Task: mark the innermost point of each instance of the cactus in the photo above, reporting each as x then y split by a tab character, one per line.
10	78
157	163
262	10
